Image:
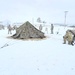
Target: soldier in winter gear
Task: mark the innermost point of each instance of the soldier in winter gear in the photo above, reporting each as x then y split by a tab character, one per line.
69	36
40	27
9	29
52	27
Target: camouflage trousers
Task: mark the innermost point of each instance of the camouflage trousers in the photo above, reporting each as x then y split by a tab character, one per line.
66	39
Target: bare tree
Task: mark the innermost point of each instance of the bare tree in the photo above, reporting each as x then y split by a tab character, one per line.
39	20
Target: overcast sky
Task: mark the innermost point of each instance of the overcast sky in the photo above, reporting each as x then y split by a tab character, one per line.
51	11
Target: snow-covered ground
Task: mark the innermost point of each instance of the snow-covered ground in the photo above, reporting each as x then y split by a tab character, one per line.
37	57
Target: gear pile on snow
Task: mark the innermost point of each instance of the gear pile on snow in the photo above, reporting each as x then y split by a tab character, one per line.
27	31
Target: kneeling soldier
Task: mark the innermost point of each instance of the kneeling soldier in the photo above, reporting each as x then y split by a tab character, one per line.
68	37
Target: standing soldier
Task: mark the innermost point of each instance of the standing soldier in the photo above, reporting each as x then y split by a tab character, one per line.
52	27
9	29
40	27
46	29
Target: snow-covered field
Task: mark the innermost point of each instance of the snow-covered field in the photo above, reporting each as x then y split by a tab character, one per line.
37	57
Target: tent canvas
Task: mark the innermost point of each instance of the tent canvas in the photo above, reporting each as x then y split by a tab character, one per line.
27	31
